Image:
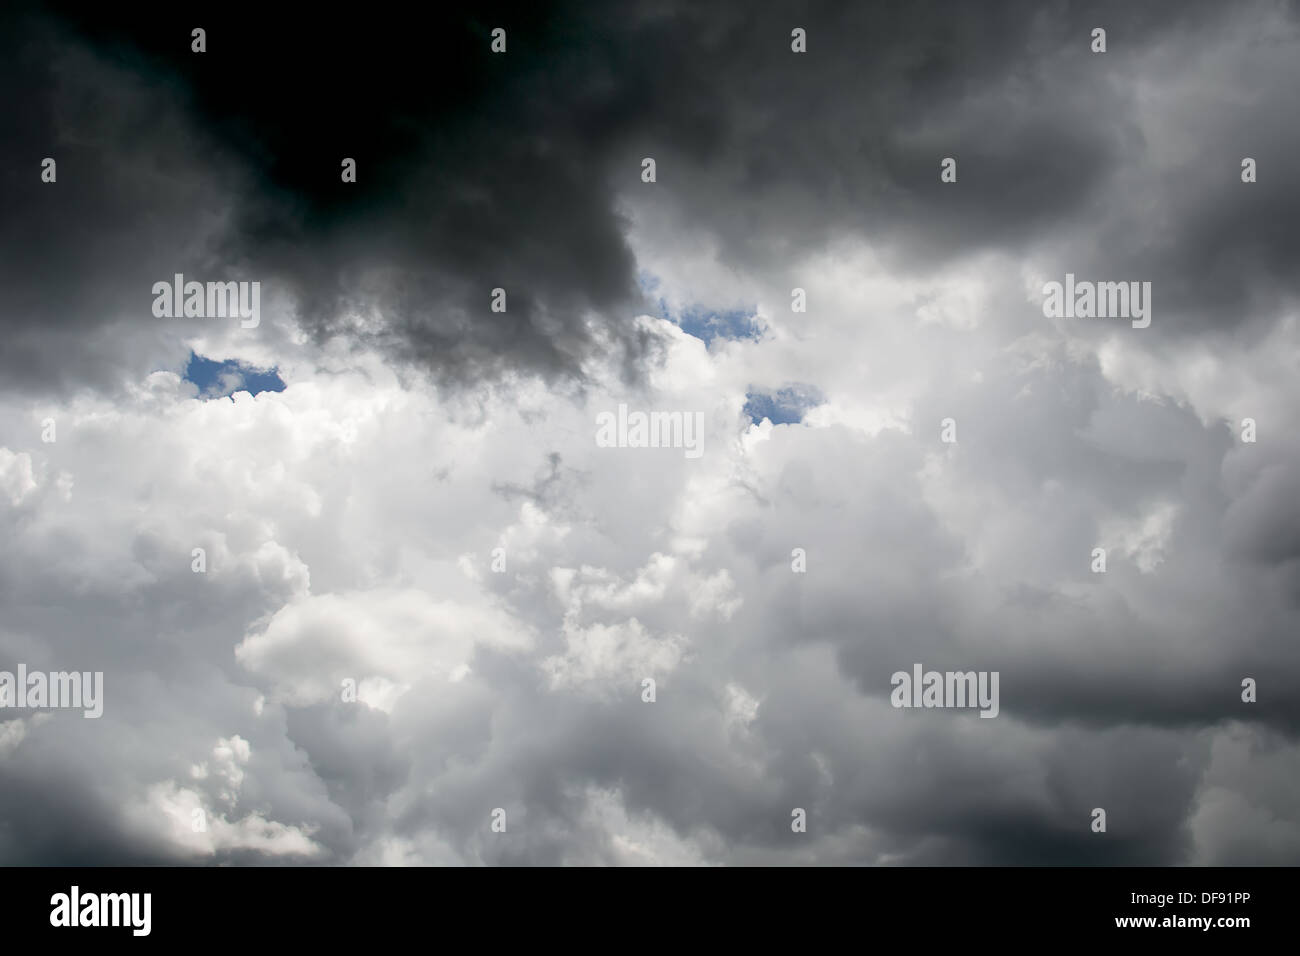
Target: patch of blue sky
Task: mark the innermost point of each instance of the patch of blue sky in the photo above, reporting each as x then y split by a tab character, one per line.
784	406
705	323
221	379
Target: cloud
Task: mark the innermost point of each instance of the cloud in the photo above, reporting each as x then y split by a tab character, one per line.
423	508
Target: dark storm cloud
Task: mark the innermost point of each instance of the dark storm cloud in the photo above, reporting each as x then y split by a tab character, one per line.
131	205
471	177
776	153
479	171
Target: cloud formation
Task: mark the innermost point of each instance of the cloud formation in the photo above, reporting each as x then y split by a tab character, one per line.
424	512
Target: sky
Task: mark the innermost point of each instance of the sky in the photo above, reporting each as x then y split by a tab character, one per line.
428	591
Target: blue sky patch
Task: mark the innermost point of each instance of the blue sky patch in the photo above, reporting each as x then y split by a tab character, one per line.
222	379
710	324
785	406
701	321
